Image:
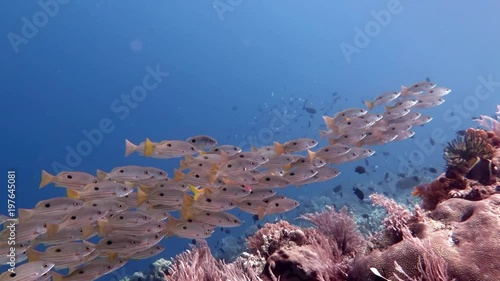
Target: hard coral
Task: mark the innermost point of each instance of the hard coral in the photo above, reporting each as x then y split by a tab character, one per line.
465	236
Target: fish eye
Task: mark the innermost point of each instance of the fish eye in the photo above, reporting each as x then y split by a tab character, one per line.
69	176
235	148
145	218
216	150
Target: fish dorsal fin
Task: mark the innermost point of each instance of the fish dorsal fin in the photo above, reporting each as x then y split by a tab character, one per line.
149	147
142	196
279	148
224	157
100	174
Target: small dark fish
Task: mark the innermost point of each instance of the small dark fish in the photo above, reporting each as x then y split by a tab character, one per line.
341	195
227	231
360	170
358	193
193	241
385	153
461	133
433	170
415	178
234	108
366	162
370	188
310	110
337	188
386	176
334	94
255	217
431	141
365	216
427	79
401	175
259	226
385	193
309	124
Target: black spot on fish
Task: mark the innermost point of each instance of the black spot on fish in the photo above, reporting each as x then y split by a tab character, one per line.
337	188
360	170
433	170
358	193
431	141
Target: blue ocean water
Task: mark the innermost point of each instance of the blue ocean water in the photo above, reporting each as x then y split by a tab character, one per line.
73	79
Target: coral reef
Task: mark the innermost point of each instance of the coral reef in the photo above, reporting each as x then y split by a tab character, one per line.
451	235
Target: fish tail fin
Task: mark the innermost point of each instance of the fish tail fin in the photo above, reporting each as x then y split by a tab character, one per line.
369	105
57	276
188	159
254	149
25	215
32	255
73	194
311	155
261	212
213	174
279	148
178	175
46	179
142	196
89	231
52	230
149	147
196	192
104	227
100	174
404	90
129	147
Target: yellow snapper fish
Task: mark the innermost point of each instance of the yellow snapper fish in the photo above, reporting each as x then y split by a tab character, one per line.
416	88
144	254
125	174
100	190
92	270
77	219
63	255
294	145
382	99
202	142
168	149
227	148
30	271
50	207
25	232
68	179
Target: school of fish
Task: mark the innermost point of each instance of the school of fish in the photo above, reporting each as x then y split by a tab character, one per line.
129	208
